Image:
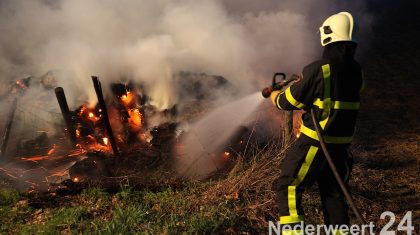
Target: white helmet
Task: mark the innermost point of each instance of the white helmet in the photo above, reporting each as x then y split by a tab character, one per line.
338	27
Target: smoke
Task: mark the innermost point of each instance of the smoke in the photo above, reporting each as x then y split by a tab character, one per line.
150	41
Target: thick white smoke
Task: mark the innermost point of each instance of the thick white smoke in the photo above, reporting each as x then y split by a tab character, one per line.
150	41
245	41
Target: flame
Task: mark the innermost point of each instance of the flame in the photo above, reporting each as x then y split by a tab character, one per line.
135	117
77	133
82	110
93	117
105	140
127	98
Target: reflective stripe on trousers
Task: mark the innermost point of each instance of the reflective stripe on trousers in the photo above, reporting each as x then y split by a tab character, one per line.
291	192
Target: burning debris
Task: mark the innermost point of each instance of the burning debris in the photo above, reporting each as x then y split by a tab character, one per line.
121	136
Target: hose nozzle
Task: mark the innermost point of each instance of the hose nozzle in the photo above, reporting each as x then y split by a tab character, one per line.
266	92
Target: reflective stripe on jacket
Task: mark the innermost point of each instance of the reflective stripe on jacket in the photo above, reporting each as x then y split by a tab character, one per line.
332	86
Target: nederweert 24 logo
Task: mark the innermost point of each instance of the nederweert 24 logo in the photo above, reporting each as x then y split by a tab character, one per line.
405	225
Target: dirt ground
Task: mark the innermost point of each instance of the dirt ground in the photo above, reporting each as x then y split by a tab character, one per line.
386	174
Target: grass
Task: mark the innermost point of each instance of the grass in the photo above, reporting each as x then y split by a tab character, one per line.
97	212
238	202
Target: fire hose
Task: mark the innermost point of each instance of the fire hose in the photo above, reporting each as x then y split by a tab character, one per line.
327	155
278	86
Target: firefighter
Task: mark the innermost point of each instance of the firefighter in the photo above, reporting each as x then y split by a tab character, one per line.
332	87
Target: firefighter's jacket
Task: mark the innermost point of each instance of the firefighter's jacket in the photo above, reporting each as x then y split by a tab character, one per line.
332	86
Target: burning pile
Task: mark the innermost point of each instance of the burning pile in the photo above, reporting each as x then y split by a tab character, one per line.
116	138
107	139
124	137
92	127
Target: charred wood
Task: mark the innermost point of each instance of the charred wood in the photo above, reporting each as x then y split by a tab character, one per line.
98	89
62	102
8	128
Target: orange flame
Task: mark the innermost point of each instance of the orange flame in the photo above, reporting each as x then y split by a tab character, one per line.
127	98
135	117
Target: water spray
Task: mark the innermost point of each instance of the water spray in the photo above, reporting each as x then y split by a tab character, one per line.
206	139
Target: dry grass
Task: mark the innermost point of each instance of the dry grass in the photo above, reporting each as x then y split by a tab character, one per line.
250	182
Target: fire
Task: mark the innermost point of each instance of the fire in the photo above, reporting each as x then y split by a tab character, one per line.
52	150
78	133
127	98
226	155
135	117
82	109
21	84
76	179
105	140
93	117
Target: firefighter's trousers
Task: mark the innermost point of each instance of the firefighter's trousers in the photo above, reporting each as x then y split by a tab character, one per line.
303	165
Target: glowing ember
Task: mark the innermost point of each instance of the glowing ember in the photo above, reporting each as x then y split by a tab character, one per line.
297	135
82	110
75	179
77	133
91	115
226	155
105	140
21	84
52	150
127	98
135	117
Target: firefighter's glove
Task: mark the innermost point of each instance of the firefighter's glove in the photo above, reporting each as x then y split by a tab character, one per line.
273	96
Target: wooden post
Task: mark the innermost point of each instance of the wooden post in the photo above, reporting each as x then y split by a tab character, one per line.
98	89
62	102
8	128
288	129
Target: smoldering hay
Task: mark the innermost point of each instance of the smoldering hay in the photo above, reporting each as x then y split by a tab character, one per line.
150	41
